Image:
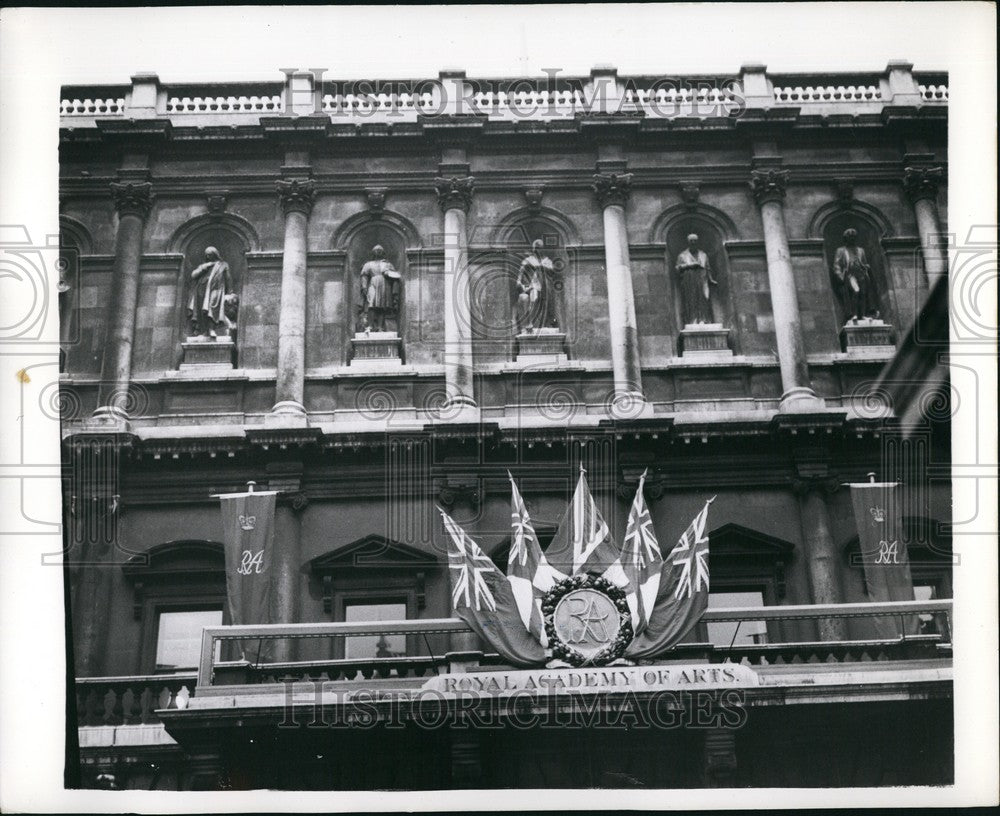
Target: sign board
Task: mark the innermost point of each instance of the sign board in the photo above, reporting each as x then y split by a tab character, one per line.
604	679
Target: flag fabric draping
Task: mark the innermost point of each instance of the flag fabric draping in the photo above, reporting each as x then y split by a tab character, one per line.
482	596
883	552
248	538
528	571
641	560
583	542
682	594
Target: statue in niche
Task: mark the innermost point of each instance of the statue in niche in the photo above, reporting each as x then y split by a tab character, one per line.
537	304
213	304
852	271
380	283
695	278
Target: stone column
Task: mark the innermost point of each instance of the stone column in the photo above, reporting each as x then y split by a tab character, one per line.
454	197
287	563
612	191
821	551
921	185
769	190
132	201
296	202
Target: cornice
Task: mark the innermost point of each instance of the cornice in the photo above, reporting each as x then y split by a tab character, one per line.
488	181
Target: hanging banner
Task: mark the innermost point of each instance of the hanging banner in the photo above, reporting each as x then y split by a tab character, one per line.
883	552
248	534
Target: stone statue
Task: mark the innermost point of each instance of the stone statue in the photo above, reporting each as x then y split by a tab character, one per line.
212	305
537	296
695	278
851	269
380	283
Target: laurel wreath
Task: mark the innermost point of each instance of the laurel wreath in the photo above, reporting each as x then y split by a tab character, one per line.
563	651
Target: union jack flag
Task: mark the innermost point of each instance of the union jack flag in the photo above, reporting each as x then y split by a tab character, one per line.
529	573
691	555
641	560
482	597
468	564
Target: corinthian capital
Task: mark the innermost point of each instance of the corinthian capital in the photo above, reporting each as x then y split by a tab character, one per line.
922	182
768	185
454	193
132	197
296	195
611	188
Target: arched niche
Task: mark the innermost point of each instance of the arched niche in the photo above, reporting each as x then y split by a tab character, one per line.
495	295
830	224
357	237
233	237
713	230
74	242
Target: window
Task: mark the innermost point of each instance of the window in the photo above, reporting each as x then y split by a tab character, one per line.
178	637
179	587
737	633
365	646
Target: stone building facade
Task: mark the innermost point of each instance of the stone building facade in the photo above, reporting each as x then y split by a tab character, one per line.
770	404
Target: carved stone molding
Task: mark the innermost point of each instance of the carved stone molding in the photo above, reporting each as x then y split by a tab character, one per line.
612	188
375	197
825	485
297	195
451	492
690	192
845	190
769	185
654	489
132	198
217	202
455	192
922	182
533	196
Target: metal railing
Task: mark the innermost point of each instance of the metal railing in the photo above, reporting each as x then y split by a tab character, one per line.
264	632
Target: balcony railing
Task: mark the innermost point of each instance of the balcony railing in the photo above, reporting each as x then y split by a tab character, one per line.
130	700
542	98
214	672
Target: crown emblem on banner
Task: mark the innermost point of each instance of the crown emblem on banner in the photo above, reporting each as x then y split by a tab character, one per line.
878	515
248	522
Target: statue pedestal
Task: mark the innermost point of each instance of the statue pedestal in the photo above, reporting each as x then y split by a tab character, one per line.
705	340
541	346
867	335
207	353
376	350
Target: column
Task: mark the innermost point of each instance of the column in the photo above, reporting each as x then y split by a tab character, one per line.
296	202
454	197
612	191
921	185
132	201
769	190
288	549
821	551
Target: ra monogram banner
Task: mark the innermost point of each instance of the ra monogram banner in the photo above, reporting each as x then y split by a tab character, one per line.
248	532
883	552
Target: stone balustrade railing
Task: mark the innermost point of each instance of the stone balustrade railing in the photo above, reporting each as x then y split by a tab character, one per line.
827	93
224	104
545	97
130	700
